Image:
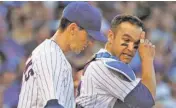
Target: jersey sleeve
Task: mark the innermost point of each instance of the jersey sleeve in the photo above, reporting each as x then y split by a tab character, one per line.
50	74
139	97
110	82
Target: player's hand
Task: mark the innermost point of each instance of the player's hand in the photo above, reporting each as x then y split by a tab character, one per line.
146	48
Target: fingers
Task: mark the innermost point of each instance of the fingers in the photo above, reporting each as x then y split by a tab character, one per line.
142	40
147	43
153	50
150	43
153	46
146	48
142	35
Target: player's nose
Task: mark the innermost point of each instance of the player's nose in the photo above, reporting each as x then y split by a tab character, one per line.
131	46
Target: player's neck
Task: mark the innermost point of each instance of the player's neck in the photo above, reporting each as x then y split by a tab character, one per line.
60	39
108	48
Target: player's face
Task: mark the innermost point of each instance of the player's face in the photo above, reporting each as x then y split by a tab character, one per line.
79	41
125	42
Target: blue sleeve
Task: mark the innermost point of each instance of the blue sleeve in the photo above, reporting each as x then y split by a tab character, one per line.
53	104
139	97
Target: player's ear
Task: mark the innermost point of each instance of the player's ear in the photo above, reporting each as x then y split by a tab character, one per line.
72	28
110	36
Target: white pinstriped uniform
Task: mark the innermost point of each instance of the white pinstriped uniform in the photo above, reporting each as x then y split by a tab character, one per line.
101	87
48	76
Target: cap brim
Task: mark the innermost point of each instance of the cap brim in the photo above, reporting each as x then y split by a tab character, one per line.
97	35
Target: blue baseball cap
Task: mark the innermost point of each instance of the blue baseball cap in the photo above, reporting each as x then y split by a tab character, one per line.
87	17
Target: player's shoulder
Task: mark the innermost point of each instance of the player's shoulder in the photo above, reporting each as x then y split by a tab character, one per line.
96	64
47	48
120	69
38	50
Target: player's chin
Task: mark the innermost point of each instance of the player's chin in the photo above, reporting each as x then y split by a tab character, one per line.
78	51
126	60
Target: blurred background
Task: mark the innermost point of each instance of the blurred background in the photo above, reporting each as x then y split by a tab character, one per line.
24	25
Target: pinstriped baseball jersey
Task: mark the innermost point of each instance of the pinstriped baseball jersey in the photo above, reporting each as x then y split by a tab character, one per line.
101	86
48	75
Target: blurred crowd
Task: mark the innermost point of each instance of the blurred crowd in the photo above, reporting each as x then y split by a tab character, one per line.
24	25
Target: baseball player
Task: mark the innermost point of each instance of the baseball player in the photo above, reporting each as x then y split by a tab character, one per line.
47	80
108	80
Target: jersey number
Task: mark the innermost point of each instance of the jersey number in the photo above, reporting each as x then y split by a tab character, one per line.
28	70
